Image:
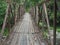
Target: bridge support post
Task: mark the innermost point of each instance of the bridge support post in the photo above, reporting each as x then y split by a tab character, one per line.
37	14
46	15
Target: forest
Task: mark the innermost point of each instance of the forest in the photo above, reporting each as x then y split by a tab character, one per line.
27	5
50	8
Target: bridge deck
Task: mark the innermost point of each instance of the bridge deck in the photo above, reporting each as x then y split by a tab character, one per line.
26	33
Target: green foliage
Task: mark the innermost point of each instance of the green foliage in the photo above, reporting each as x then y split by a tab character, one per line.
6	32
58	17
3	6
50	7
16	1
27	5
30	3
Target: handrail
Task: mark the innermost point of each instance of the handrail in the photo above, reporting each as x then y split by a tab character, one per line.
48	25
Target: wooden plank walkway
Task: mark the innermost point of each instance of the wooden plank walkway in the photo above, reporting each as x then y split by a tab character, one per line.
26	33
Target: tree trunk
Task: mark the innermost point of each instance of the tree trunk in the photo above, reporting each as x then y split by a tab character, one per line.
55	21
